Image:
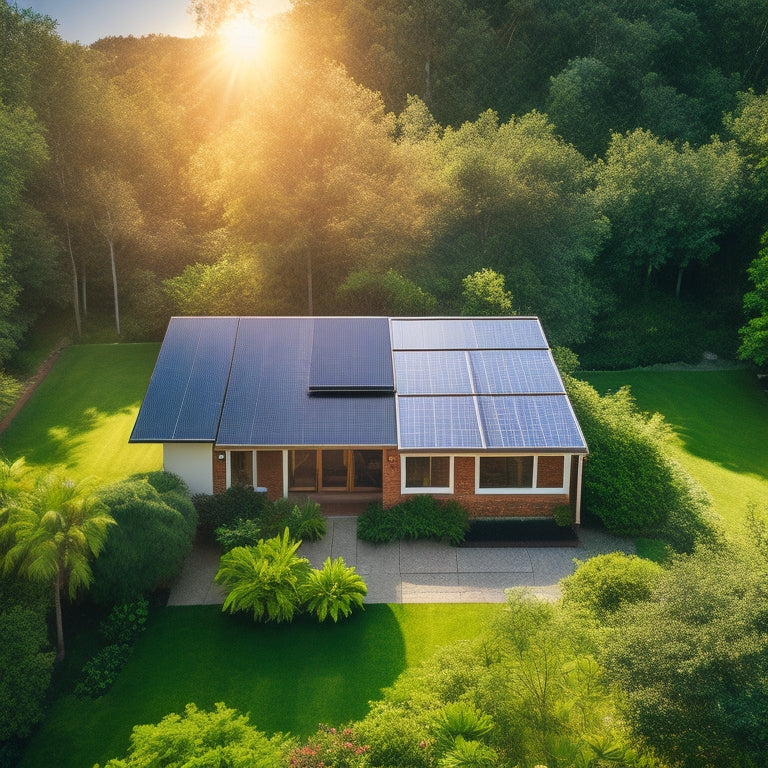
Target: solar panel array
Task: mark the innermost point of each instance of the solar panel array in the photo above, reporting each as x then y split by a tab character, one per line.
187	388
480	384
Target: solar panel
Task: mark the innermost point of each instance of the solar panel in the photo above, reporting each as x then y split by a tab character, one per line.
468	333
538	422
187	387
432	373
351	354
438	423
513	371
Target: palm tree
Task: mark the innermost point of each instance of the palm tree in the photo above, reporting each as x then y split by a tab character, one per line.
53	532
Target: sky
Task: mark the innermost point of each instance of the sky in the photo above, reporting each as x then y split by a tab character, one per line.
86	21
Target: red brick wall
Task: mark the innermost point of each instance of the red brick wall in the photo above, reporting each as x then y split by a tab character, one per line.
478	505
269	471
550	472
219	471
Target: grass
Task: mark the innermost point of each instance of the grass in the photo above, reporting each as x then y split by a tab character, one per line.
82	414
288	677
720	423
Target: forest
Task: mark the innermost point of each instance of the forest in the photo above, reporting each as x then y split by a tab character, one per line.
599	164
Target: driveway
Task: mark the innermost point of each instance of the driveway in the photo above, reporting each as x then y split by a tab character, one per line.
418	571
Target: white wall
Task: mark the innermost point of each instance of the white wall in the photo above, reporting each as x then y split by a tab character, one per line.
193	462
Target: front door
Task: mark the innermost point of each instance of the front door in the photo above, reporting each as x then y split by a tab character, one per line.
334	469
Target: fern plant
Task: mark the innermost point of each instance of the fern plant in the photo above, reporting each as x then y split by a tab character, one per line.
264	579
334	589
468	753
460	720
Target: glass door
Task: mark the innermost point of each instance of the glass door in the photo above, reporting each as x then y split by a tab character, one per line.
302	468
367	474
333	472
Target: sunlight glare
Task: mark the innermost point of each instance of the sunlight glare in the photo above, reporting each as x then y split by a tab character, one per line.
243	38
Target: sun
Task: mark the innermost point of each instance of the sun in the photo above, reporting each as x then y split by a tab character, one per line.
242	38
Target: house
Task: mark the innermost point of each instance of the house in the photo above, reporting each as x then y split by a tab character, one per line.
471	409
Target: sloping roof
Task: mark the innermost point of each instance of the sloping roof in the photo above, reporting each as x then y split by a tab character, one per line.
470	384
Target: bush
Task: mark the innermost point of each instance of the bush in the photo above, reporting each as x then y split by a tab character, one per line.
604	583
630	483
306	521
242	533
335	588
124	622
26	666
100	672
421	517
339	748
264	579
238	502
147	547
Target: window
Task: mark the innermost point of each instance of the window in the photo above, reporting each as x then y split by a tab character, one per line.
426	474
241	468
521	474
506	472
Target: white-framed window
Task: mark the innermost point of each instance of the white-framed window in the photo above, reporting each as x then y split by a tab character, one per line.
521	474
426	474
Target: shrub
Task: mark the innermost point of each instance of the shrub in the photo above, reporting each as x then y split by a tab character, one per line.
333	589
460	720
100	672
264	579
421	517
236	503
563	515
242	533
148	545
339	748
124	622
604	583
630	483
306	521
26	666
200	738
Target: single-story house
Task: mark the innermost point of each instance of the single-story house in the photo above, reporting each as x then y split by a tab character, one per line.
471	409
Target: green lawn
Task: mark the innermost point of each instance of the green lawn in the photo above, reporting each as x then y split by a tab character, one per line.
82	414
289	677
720	420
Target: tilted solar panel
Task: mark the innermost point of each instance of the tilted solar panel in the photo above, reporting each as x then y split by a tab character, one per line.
515	371
432	373
468	333
438	423
185	394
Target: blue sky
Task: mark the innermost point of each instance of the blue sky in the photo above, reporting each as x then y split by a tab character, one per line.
87	20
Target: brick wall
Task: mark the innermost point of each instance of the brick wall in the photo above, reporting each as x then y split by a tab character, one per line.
269	471
550	472
219	471
479	505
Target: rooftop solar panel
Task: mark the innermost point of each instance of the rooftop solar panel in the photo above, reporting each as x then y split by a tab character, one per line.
351	354
438	423
187	388
468	333
432	373
538	422
514	371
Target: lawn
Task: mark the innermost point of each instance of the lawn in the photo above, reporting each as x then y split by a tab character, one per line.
82	414
720	421
288	677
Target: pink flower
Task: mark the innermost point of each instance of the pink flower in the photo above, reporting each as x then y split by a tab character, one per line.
422	744
347	732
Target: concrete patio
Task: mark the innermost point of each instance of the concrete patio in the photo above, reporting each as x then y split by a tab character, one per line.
417	571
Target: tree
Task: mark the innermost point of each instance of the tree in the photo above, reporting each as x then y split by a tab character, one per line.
52	535
310	168
692	660
484	294
153	536
754	335
221	737
390	293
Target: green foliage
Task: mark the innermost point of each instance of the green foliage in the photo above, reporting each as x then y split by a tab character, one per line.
306	522
99	673
459	720
563	515
420	517
566	360
605	583
466	753
238	502
754	335
264	579
334	589
124	622
27	664
241	533
692	660
390	293
153	536
630	482
483	293
198	737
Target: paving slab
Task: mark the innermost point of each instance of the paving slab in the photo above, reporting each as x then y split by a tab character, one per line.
427	557
378	558
494	560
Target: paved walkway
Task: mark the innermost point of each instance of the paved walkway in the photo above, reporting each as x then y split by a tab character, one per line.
417	571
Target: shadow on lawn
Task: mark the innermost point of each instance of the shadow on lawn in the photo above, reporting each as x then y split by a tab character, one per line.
88	384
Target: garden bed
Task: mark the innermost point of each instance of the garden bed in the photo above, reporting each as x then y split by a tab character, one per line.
519	533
